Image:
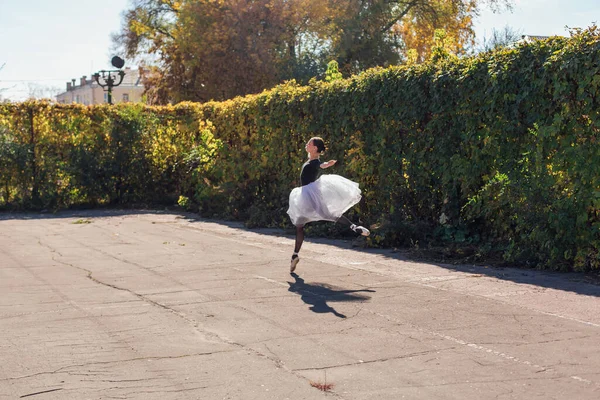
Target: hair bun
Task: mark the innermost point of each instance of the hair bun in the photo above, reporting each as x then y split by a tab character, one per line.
319	143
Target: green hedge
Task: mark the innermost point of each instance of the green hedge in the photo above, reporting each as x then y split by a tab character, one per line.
496	151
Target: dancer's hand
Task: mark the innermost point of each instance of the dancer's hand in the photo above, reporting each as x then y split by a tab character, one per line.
328	163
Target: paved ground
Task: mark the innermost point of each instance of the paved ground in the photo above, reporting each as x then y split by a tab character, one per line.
143	305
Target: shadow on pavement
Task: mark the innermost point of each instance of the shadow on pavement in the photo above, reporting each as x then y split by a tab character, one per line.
84	213
582	283
318	294
587	284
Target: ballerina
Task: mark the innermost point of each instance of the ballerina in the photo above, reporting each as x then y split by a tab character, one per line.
321	198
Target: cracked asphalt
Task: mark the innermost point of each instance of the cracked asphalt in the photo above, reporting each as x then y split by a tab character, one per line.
159	305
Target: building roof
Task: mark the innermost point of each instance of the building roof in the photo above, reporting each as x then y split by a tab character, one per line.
132	78
529	38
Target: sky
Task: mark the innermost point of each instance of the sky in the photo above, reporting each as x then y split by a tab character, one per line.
45	43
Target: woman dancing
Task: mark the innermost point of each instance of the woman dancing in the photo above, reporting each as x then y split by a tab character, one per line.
324	198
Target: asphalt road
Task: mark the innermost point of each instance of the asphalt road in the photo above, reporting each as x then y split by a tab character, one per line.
147	305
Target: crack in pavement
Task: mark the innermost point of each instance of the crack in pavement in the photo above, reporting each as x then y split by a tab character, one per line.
191	318
379	360
195	324
64	369
467	344
42	392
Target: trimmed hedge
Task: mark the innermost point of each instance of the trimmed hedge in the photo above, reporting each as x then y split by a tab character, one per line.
496	151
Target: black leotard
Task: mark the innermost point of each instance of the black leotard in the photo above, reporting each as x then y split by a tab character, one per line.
310	171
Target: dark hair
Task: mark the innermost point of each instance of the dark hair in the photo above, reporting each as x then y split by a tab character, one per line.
317	141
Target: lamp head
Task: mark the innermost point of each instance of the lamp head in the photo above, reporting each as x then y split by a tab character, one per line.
117	62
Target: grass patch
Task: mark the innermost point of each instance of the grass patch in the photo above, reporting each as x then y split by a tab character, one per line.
82	221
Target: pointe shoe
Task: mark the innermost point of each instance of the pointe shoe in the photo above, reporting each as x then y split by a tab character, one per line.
360	229
293	263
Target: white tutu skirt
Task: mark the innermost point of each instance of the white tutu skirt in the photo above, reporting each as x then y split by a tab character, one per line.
325	199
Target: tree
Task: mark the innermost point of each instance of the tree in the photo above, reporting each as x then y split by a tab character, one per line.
146	28
228	48
455	18
37	91
382	32
2	89
365	36
205	49
333	73
443	46
499	38
146	35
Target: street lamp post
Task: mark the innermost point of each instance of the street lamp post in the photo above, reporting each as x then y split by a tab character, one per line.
109	77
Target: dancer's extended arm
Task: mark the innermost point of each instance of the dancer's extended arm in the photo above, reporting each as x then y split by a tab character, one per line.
328	164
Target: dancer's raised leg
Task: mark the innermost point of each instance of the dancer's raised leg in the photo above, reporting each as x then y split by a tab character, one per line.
356	228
